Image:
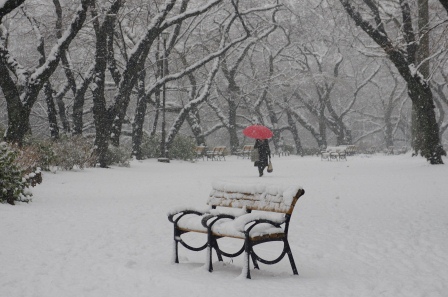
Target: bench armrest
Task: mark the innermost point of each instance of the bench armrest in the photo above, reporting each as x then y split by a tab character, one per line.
175	215
246	222
208	224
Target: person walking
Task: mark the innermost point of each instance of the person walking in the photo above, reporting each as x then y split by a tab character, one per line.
264	154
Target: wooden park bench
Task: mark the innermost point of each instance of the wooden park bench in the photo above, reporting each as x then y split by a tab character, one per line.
253	213
217	153
351	150
200	152
324	155
334	153
245	151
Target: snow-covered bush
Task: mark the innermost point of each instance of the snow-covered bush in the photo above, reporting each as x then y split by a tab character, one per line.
47	155
183	148
119	156
74	152
13	185
35	153
151	146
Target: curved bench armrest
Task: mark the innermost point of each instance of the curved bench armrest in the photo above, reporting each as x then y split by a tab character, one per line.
245	223
175	216
206	219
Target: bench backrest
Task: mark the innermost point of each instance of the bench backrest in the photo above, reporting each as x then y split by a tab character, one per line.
219	149
248	148
199	149
271	198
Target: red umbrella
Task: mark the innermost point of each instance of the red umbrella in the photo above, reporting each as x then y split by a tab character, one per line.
258	132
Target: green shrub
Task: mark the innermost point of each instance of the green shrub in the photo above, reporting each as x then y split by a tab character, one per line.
47	155
311	151
150	146
119	156
13	185
182	148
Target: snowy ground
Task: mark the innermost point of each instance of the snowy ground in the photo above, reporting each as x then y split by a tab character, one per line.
371	226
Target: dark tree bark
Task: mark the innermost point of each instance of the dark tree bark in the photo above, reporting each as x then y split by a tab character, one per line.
193	118
321	143
139	118
102	118
295	133
71	82
78	102
444	4
51	109
9	6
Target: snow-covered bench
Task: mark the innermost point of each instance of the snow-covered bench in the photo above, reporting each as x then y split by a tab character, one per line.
218	153
334	153
254	213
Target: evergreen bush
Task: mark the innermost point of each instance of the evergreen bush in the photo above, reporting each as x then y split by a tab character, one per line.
13	185
119	156
151	146
182	148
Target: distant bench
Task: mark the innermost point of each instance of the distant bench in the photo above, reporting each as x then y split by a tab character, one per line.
245	151
334	153
217	153
260	214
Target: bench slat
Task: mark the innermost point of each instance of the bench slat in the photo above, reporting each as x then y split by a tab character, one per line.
255	197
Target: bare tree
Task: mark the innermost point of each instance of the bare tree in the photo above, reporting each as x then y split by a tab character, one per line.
22	93
426	139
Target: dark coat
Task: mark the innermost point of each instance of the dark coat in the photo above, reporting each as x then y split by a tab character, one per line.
264	152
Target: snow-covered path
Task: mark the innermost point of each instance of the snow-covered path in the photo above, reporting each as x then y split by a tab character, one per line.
371	226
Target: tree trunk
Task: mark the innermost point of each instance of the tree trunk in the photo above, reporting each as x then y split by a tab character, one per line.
139	119
426	140
195	124
234	141
295	134
78	106
51	108
388	136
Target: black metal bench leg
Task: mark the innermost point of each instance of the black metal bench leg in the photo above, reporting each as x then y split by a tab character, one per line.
218	251
176	245
291	258
254	261
248	255
176	251
211	244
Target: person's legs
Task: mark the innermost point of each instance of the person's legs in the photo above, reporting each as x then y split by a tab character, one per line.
261	169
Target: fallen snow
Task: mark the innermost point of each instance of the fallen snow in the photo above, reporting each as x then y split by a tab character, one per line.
369	226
